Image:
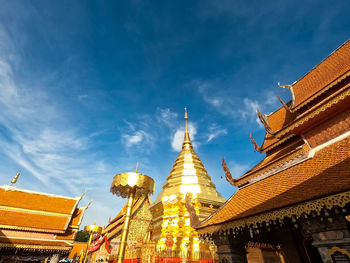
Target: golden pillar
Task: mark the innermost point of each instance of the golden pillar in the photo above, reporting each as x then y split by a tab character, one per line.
91	229
130	185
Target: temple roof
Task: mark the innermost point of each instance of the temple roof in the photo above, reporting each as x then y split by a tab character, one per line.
23	199
310	91
335	65
326	173
21	209
38	221
189	175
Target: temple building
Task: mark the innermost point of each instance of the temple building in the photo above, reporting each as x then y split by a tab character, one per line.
35	226
140	248
171	226
294	205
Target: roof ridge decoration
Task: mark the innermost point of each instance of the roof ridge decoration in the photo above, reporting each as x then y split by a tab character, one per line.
14	180
309	114
290	88
262	118
228	174
256	146
283	104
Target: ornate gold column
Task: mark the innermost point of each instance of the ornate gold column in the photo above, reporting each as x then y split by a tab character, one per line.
131	185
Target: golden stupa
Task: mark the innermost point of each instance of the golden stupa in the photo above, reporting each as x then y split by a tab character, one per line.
170	219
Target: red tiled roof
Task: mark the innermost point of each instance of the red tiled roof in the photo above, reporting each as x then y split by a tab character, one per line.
326	173
331	68
28	242
40	212
14	197
312	85
41	222
295	149
277	120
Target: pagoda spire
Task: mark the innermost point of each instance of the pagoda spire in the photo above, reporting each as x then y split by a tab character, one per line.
187	141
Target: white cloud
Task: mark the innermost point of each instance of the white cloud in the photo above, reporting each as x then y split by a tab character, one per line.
137	138
215	131
178	137
166	117
38	137
235	107
136	135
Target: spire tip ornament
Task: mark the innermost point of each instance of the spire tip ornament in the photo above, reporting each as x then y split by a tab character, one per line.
187	140
14	180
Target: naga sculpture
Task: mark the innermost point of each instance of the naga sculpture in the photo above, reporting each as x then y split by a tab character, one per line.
228	174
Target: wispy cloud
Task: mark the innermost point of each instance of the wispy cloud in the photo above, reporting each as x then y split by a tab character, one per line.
137	134
38	137
137	139
215	131
239	108
166	117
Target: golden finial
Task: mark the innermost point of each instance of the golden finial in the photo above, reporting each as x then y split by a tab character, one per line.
187	136
14	180
137	166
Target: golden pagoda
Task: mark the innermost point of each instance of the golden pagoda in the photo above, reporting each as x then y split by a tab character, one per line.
170	219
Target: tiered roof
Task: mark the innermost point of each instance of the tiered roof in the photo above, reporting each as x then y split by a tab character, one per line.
325	174
35	220
311	95
295	173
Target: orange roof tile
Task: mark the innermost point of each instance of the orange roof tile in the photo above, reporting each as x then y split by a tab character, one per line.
17	241
38	222
326	173
331	68
13	197
68	235
277	120
295	149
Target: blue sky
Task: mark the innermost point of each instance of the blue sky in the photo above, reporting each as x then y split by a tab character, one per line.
90	88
